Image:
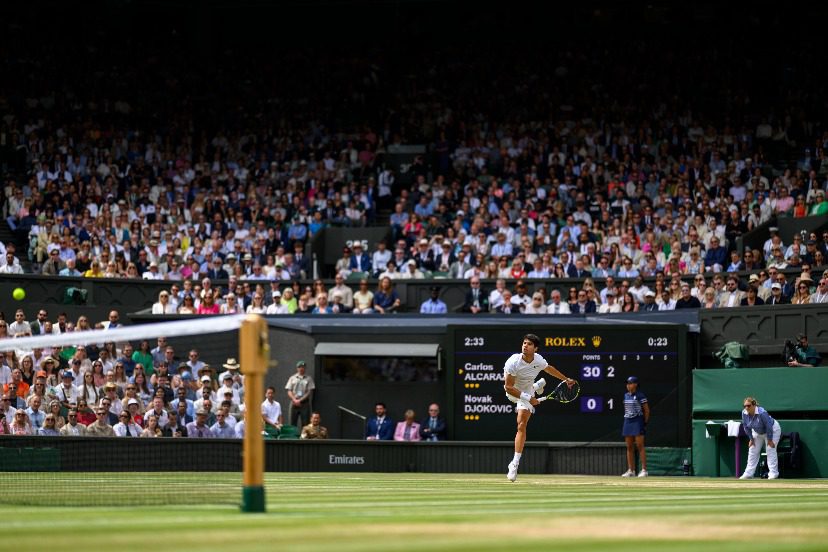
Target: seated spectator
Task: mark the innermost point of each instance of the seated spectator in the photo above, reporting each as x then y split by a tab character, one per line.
385	300
611	306
322	306
408	429
687	301
583	305
379	427
433	305
536	306
314	430
477	299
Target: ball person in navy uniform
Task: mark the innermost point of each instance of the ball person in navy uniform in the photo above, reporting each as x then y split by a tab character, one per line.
636	416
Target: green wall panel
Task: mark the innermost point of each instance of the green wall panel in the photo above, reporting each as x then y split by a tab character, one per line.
720	391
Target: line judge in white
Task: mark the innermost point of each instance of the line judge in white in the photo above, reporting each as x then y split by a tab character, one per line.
520	372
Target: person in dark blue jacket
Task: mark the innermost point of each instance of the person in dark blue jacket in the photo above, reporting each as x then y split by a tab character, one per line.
761	429
379	427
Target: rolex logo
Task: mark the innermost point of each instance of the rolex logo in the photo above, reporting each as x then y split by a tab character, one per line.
596	340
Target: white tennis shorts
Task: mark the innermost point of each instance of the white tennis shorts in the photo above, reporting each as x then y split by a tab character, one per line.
521	404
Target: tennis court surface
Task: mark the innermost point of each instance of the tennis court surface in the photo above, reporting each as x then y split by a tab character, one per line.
418	512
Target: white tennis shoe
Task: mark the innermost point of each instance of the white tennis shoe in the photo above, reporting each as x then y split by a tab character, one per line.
628	473
538	386
643	473
773	476
512	474
746	476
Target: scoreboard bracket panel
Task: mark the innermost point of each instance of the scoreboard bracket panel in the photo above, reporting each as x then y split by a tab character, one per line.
600	357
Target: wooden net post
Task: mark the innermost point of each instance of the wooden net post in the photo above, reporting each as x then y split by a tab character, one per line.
254	353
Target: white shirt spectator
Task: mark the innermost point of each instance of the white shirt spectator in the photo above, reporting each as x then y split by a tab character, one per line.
121	429
272	411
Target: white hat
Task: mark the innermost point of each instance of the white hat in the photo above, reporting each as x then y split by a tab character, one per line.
424	241
205	378
649	293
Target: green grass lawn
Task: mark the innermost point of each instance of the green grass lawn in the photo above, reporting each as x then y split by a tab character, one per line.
364	512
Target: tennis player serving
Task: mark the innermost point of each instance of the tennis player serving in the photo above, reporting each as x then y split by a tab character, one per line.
520	372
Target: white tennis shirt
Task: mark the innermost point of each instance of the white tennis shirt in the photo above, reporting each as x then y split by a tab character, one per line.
524	372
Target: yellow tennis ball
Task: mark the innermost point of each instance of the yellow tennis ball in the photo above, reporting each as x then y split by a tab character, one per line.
19	294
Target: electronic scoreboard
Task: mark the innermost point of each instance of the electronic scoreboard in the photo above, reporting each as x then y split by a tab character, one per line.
600	357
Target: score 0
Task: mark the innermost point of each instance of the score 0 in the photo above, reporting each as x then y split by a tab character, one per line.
594	404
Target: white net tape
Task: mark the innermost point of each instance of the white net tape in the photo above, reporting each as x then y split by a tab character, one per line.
199	326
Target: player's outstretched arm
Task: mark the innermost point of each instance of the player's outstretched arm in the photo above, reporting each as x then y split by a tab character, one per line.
557	373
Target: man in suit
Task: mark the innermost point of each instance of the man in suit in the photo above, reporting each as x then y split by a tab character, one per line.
216	270
733	296
477	299
577	270
458	269
424	256
446	258
379	427
583	305
433	427
716	256
556	306
507	307
649	302
360	261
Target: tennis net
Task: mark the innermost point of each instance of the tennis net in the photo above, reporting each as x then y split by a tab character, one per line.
67	437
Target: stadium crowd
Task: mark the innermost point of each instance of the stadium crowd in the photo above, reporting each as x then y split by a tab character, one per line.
558	171
117	390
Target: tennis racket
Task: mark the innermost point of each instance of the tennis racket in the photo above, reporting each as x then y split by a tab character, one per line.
563	393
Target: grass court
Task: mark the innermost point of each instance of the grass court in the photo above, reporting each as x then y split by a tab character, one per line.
434	512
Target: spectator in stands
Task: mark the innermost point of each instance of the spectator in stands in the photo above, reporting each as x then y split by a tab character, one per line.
802	293
408	429
272	411
477	299
379	259
733	296
379	427
360	260
199	428
433	305
20	424
583	305
100	427
158	411
126	426
322	306
151	427
536	306
687	301
221	429
72	428
314	430
49	428
364	298
556	304
164	305
611	305
385	300
345	291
